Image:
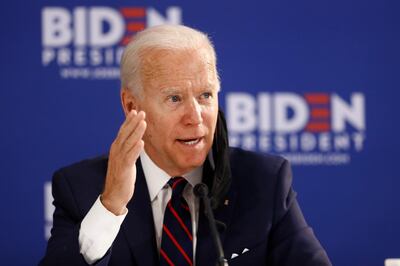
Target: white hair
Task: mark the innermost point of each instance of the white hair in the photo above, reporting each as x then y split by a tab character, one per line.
168	37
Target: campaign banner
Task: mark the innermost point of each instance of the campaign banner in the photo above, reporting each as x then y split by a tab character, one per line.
315	82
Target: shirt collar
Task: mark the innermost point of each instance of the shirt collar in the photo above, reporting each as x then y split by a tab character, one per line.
156	178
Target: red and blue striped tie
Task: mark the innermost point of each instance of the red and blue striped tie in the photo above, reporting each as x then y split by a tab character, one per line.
177	241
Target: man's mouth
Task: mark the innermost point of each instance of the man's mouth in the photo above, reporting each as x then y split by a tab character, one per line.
190	142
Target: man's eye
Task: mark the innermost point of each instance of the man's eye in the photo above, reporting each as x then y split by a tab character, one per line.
207	95
174	98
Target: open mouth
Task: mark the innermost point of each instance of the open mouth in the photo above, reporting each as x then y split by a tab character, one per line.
190	142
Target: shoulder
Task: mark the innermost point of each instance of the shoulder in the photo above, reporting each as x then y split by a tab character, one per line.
85	172
259	175
252	162
80	182
90	166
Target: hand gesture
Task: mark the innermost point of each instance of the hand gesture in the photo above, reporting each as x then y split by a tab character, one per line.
121	172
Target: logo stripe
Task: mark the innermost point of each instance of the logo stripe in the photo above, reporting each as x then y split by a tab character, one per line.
133	12
135	26
318	127
320	113
317	98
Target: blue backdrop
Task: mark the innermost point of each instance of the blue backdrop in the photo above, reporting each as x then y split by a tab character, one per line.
316	81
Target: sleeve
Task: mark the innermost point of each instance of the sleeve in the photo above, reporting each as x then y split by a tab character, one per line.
292	241
98	231
63	246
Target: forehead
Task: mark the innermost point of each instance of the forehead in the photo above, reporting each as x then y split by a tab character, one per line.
178	68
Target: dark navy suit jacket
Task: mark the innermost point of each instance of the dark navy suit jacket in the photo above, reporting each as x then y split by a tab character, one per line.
262	215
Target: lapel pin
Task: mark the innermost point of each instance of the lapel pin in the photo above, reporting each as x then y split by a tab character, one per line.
226	202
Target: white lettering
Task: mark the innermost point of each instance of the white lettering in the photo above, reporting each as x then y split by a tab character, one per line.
174	17
342	142
82	56
353	113
283	102
358	139
249	142
79	57
48	55
307	141
80	26
324	142
303	142
56	27
100	15
241	116
264	112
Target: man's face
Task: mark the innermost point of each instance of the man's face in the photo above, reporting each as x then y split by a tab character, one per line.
180	98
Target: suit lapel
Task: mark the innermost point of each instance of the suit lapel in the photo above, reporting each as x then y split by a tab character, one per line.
206	249
138	226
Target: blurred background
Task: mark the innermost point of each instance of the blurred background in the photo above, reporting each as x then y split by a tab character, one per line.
315	81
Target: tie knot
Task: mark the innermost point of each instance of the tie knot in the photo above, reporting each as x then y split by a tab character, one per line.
177	184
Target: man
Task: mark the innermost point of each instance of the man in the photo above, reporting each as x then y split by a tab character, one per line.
137	206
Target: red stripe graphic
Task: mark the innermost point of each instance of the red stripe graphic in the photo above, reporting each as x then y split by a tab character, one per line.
135	26
133	12
320	113
317	98
318	127
177	245
126	40
165	256
180	221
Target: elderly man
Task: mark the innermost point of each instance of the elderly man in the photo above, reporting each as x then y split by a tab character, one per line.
137	206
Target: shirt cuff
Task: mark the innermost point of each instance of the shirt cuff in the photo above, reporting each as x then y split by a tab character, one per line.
98	231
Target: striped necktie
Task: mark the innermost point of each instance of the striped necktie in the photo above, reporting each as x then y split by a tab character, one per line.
177	241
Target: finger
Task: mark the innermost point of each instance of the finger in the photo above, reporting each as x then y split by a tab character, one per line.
132	113
136	136
129	127
135	151
133	127
130	116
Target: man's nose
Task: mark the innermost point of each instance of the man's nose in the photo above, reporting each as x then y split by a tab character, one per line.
193	113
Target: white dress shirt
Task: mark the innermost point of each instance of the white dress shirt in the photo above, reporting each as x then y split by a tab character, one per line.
100	227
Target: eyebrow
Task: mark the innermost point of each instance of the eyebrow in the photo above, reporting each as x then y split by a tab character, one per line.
170	90
175	90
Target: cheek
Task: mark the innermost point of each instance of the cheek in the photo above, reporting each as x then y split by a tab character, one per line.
210	117
159	128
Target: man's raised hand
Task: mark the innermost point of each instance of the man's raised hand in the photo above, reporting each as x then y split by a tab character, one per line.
121	173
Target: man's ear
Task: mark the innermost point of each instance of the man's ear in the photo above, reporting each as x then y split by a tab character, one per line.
128	101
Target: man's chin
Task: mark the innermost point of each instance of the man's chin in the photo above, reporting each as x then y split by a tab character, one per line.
188	164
